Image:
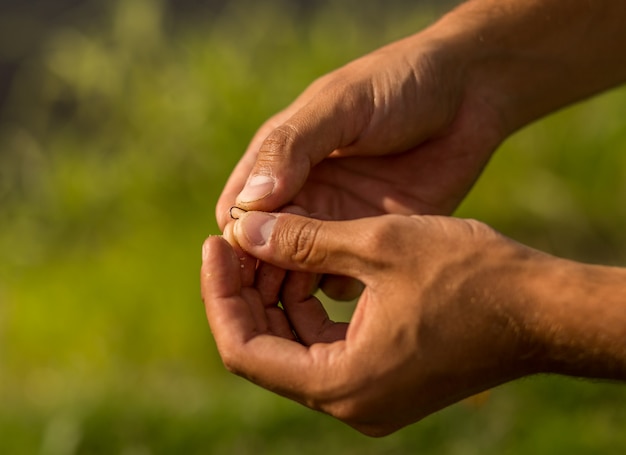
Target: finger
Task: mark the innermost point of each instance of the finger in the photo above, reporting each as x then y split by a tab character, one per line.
247	263
305	312
252	307
351	248
221	286
281	365
242	170
278	324
268	281
269	278
261	290
287	154
337	287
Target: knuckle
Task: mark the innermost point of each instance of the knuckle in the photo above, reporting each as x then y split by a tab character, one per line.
303	241
478	229
386	240
279	142
284	148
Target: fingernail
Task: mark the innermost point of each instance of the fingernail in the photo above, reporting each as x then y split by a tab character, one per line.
258	227
257	187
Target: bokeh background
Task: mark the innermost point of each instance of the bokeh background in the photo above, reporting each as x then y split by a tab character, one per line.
120	122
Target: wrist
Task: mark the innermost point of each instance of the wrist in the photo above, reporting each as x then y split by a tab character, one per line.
577	316
527	59
543	314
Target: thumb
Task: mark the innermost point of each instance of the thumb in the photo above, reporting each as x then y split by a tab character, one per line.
306	244
288	153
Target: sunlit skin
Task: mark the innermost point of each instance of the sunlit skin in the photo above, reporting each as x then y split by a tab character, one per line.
417	120
449	307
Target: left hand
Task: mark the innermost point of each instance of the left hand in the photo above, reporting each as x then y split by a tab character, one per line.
401	130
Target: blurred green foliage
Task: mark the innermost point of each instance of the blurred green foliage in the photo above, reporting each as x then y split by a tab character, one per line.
118	136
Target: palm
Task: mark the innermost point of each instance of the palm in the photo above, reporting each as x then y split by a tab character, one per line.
430	179
408	155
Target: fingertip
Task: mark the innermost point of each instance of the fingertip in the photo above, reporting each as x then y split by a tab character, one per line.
211	243
222	217
223	208
218	268
228	234
246	262
254	229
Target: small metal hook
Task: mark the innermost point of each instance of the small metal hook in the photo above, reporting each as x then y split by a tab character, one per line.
235	212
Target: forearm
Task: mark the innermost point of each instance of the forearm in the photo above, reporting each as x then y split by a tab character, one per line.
576	316
527	58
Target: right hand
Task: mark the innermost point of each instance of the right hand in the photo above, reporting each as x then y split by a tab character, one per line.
397	131
436	323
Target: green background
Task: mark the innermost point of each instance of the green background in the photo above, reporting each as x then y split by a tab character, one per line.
117	136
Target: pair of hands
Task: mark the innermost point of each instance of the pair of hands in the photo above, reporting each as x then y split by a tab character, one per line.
449	307
379	136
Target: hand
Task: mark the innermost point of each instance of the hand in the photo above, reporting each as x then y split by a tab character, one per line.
396	131
408	128
450	307
435	323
